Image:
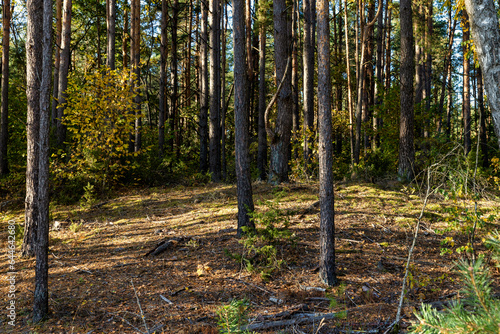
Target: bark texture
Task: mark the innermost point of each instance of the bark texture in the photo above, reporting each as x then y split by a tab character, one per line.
214	128
4	137
241	116
261	132
326	197
309	7
110	23
203	84
406	131
163	80
486	35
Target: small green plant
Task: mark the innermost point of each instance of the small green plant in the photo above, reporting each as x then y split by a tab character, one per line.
233	316
261	245
88	198
479	312
75	227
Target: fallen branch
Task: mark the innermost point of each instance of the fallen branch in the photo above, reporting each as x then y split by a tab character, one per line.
300	318
162	246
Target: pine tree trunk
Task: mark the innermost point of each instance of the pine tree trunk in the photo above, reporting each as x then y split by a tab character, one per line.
57	62
110	24
349	85
214	128
466	112
33	74
174	108
241	118
63	70
482	116
203	88
486	36
262	135
280	142
135	51
327	272
163	80
41	295
4	137
406	131
125	38
309	7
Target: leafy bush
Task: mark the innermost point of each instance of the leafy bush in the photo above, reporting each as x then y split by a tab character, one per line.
99	119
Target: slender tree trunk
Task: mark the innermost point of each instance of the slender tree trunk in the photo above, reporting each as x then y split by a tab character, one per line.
4	137
41	295
466	87
57	62
309	7
63	70
223	93
327	272
110	24
406	131
241	115
378	75
262	135
135	63
163	80
482	116
349	85
203	84
295	81
280	140
125	37
174	115
486	36
214	128
388	48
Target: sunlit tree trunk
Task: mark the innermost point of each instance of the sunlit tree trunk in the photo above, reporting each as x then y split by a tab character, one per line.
482	115
214	128
262	135
4	136
327	271
203	88
241	118
135	53
174	108
349	85
466	112
63	70
309	8
486	35
406	130
125	37
110	24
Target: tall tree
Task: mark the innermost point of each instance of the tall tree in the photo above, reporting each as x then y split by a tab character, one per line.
280	136
174	98
466	105
214	128
349	85
326	196
4	136
482	118
57	62
64	69
261	131
241	118
163	79
203	88
111	28
33	74
407	68
135	55
309	8
41	298
486	35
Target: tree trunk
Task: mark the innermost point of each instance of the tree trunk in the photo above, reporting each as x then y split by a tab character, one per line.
241	115
135	52
110	24
280	141
262	135
223	93
327	272
486	35
378	75
295	81
125	38
309	7
203	84
406	131
33	74
63	70
41	295
163	81
466	112
4	137
349	85
214	128
482	116
174	114
57	62
388	48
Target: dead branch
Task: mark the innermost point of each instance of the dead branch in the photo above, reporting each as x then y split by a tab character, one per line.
300	318
162	246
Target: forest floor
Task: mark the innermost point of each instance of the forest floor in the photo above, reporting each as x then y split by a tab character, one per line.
100	280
